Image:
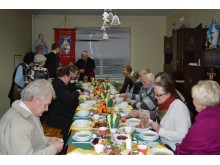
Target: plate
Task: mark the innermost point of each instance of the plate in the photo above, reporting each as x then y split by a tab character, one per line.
83	113
82	136
161	151
122	129
133	122
81	123
149	135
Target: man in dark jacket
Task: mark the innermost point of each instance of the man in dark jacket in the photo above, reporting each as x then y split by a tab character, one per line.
53	61
86	66
62	109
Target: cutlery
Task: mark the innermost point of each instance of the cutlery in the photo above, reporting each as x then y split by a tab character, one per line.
79	142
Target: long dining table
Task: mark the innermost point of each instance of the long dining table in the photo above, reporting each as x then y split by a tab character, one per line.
94	101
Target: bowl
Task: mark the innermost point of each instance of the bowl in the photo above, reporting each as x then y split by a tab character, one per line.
83	113
81	123
120	138
123	105
84	105
82	136
149	135
133	122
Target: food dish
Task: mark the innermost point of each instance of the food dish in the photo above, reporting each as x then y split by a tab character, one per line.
161	151
83	113
149	135
82	136
120	138
139	130
133	122
81	123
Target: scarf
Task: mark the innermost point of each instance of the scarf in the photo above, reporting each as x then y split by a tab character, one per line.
162	108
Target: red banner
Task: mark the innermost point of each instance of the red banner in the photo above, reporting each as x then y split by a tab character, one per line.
66	38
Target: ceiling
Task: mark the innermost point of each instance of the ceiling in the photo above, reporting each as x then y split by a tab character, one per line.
120	12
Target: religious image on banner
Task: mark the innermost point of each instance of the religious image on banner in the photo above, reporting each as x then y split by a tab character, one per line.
66	39
65	42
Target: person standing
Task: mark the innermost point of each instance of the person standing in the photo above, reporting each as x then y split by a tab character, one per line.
53	61
19	77
21	132
86	66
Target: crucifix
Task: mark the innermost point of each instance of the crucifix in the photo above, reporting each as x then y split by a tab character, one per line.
211	74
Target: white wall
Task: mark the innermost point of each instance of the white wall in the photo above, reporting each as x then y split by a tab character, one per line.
146	35
15	34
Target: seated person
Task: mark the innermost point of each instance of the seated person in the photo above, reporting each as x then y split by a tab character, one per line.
164	75
203	137
21	132
128	84
62	109
136	81
172	114
146	99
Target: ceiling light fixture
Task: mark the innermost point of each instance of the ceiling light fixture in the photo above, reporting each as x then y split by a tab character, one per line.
109	21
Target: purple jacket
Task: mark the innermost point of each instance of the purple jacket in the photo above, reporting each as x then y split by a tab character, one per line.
203	137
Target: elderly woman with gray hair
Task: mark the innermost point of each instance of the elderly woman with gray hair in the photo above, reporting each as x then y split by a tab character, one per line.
21	132
204	135
38	71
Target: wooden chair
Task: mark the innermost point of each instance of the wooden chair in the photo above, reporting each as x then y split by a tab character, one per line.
51	131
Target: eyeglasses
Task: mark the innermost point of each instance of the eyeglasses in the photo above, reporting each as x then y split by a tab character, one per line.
159	95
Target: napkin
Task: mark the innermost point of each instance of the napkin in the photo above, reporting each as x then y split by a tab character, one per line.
80	151
104	95
105	86
82	97
85	78
109	102
113	120
87	128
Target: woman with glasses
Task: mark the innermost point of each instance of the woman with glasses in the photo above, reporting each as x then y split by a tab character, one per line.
172	114
204	135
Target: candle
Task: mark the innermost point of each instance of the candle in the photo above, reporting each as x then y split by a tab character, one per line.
128	143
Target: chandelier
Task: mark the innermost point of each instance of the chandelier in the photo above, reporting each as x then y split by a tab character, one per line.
109	21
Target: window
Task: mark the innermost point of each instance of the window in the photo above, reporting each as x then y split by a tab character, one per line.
110	55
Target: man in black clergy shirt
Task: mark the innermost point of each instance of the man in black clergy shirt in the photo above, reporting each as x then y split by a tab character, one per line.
86	66
53	60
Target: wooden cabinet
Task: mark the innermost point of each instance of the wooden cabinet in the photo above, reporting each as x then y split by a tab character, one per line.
189	61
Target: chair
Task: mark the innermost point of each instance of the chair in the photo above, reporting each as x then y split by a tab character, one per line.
51	131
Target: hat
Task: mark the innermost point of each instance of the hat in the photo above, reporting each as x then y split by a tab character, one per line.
39	58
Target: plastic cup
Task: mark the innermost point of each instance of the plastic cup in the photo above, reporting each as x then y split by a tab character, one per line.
142	148
123	117
99	148
102	131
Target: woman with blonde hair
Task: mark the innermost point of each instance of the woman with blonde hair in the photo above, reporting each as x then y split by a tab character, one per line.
203	136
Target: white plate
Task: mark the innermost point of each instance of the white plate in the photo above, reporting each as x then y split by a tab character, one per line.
81	123
82	136
149	135
161	151
83	113
133	122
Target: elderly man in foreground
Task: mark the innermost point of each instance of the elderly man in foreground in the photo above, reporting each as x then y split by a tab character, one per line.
21	132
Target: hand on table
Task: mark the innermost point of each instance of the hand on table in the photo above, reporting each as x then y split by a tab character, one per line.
134	113
57	142
81	71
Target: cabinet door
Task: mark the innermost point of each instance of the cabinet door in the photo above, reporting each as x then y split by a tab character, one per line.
195	39
193	74
168	44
